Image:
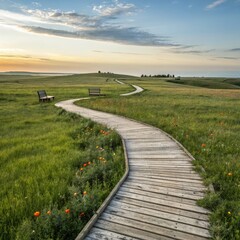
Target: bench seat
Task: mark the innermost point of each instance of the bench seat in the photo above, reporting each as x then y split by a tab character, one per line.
43	97
95	92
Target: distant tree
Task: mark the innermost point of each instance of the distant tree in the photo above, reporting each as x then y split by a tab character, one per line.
142	76
99	71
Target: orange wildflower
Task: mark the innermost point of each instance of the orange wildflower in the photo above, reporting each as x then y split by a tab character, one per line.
84	193
49	212
81	169
84	164
37	214
82	214
203	145
89	163
67	211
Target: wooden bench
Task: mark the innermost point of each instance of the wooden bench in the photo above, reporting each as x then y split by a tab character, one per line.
95	92
43	96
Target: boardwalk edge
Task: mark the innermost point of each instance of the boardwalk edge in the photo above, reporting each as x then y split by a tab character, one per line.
95	217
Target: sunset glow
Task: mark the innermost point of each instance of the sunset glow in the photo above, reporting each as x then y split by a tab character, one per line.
192	37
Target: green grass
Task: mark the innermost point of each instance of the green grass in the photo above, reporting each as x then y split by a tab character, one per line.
207	123
215	83
39	152
42	148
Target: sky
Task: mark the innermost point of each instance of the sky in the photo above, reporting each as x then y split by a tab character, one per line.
180	37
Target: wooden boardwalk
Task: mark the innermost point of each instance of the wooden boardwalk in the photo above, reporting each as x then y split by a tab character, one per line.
158	198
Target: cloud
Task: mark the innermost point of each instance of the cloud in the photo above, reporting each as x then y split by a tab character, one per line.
215	4
128	36
115	10
23	57
81	26
235	50
229	58
122	53
189	50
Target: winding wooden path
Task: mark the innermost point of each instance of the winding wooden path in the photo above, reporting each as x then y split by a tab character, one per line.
157	199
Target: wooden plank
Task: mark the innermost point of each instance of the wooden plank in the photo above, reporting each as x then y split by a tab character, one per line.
159	163
174	188
157	229
130	231
162	208
167	181
163	202
155	151
167	184
100	234
158	156
160	159
158	213
164	170
158	195
163	190
167	177
89	238
157	172
156	220
150	143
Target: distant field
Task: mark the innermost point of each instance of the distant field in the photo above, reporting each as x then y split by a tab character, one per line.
207	122
215	83
41	149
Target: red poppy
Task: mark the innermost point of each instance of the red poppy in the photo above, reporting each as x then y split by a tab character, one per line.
37	214
67	211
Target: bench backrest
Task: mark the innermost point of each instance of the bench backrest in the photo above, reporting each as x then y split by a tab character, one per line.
41	93
94	90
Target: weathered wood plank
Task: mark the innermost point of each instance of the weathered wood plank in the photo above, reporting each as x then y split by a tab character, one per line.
167	177
158	221
168	184
156	172
167	191
157	229
167	209
130	231
172	204
142	208
174	188
158	195
99	234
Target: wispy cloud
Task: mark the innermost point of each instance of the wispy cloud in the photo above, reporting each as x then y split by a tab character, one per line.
23	57
229	58
94	27
235	50
190	50
115	9
122	53
129	36
215	4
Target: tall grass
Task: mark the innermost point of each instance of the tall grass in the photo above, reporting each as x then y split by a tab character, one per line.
206	122
39	152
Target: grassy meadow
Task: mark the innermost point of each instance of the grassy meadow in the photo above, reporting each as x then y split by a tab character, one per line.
41	151
207	122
